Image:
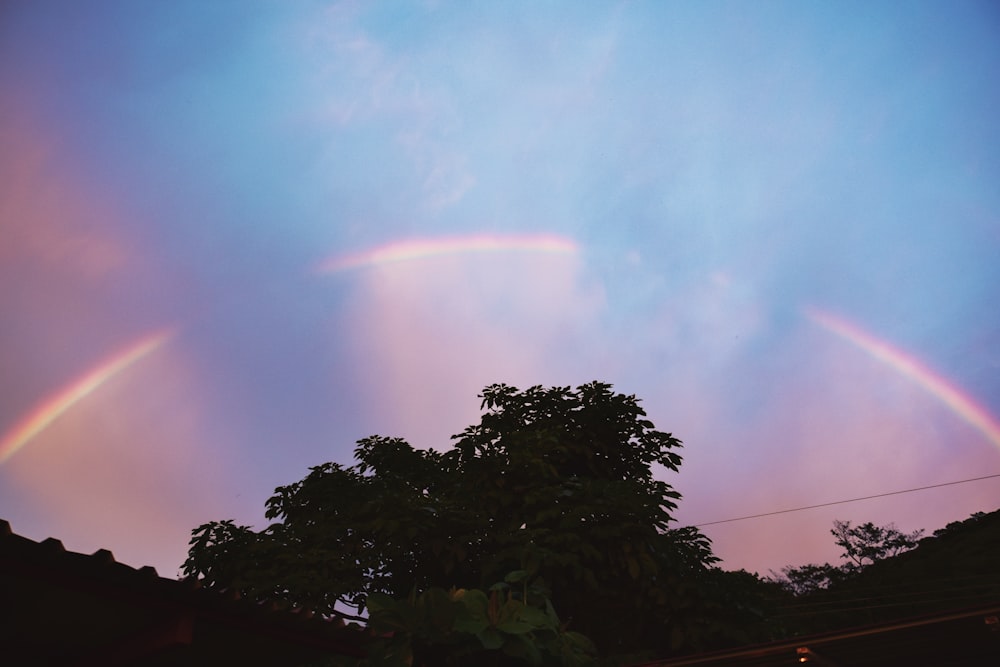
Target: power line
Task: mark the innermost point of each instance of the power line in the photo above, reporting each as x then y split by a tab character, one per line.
841	502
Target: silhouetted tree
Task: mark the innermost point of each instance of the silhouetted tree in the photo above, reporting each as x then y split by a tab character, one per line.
892	575
554	483
862	545
868	543
809	578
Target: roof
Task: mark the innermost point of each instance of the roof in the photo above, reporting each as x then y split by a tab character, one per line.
63	607
961	637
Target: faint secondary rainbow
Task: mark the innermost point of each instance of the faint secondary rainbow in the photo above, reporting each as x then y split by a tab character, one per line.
404	251
963	406
53	407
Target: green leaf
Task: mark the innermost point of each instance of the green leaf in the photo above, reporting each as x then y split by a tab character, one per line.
388	615
437	613
514	626
550	614
490	639
524	648
378	602
516	576
471	616
538	618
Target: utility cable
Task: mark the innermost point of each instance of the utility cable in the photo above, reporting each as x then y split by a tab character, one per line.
841	502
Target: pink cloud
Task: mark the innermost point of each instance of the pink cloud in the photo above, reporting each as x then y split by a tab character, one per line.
429	335
48	218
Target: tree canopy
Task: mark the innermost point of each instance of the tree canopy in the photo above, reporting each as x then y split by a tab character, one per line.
863	545
867	543
554	484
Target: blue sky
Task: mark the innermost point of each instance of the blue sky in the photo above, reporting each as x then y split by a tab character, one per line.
711	173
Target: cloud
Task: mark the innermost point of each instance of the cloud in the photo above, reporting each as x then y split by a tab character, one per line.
361	83
428	335
49	221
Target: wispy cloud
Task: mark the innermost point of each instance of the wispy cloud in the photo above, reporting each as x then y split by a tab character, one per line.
49	220
362	82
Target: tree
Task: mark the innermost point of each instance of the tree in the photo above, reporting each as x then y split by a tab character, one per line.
863	545
868	543
808	578
891	575
553	482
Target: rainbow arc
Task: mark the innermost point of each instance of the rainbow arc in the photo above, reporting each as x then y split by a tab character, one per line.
416	249
963	406
49	410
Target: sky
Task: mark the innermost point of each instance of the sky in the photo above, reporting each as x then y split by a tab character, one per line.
237	236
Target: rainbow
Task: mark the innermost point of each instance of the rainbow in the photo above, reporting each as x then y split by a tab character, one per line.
414	249
963	406
52	408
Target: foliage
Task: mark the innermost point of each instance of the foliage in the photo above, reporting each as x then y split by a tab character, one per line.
868	543
738	608
957	527
809	578
552	481
513	623
898	576
863	545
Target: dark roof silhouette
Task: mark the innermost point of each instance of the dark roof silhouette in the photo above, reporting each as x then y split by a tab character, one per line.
67	608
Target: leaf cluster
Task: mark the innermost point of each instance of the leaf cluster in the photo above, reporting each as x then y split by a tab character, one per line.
508	624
